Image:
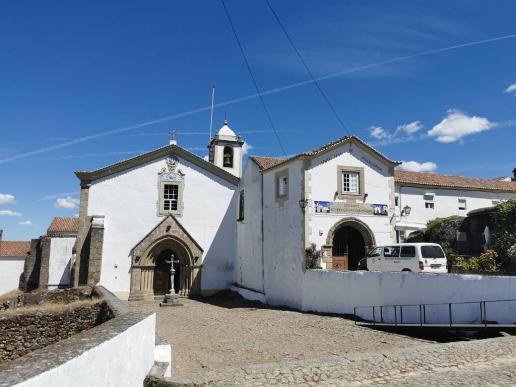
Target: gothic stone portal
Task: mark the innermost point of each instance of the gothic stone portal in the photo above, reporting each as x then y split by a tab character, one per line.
150	271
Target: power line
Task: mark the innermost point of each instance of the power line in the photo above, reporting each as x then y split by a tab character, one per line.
251	74
314	80
280	89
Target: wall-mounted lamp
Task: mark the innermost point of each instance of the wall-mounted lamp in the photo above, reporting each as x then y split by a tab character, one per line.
303	203
406	211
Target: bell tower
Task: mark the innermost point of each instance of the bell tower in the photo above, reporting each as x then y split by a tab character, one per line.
226	150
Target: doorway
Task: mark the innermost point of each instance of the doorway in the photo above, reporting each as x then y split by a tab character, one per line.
348	248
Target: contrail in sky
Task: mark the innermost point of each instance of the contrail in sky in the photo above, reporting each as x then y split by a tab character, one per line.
248	97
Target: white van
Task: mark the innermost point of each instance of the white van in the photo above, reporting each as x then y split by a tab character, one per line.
416	257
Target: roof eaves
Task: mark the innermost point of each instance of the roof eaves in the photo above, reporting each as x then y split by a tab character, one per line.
87	177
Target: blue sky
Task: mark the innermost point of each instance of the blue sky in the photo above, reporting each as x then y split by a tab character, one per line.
79	70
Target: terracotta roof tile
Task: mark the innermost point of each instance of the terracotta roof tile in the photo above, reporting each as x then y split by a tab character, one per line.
64	225
14	248
270	162
447	181
267	162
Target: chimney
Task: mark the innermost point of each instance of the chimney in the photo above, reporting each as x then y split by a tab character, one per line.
513	177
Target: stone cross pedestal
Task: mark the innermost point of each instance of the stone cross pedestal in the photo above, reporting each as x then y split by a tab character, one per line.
171	298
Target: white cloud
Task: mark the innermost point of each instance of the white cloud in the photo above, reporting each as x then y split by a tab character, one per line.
207	158
379	133
410	128
66	203
511	89
9	213
414	166
246	148
6	198
26	223
457	125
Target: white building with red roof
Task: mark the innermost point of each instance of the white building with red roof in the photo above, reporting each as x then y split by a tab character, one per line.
12	260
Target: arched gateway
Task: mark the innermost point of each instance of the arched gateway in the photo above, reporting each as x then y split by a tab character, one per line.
151	260
347	242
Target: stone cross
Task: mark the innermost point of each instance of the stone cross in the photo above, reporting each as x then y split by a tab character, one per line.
172	273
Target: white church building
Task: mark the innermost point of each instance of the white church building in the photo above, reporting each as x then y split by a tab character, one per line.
221	224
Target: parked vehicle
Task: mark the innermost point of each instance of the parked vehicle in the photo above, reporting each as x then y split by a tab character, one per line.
362	264
416	257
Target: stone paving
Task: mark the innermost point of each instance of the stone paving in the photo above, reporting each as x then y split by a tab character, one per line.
235	342
235	332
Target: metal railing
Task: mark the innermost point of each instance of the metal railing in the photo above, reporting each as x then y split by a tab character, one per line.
422	308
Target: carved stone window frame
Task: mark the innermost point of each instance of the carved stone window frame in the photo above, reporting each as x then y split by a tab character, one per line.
180	204
343	195
283	198
174	176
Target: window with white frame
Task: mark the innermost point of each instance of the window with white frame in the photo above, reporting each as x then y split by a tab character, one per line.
397	201
351	182
282	186
281	178
462	204
170	197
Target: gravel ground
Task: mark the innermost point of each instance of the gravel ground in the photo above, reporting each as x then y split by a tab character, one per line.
227	331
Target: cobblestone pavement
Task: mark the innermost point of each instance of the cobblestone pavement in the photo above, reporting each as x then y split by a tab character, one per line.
236	332
236	342
477	363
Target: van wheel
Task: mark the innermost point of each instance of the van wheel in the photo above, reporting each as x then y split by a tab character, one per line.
406	270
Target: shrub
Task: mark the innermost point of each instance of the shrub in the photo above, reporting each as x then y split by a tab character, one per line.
312	256
486	263
503	236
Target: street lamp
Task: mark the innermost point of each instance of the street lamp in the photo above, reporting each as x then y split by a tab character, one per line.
406	211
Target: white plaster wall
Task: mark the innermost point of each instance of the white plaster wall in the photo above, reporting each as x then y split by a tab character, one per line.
445	201
249	261
10	271
339	292
59	265
323	184
125	360
284	239
129	201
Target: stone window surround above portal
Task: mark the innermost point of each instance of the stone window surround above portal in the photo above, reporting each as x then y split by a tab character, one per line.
280	174
180	203
341	194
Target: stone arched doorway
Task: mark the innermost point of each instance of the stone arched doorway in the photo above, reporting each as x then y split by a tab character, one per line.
151	261
347	242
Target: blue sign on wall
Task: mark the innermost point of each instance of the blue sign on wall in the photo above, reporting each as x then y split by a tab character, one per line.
380	209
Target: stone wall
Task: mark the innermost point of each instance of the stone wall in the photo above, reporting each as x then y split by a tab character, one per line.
23	331
119	352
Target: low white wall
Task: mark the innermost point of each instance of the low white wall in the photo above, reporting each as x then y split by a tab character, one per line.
10	271
339	292
124	360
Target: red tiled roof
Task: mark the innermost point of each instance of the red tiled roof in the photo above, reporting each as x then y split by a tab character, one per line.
67	225
14	248
267	162
447	181
270	162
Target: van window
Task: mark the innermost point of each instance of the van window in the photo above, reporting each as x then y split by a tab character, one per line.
391	251
408	251
432	252
376	252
